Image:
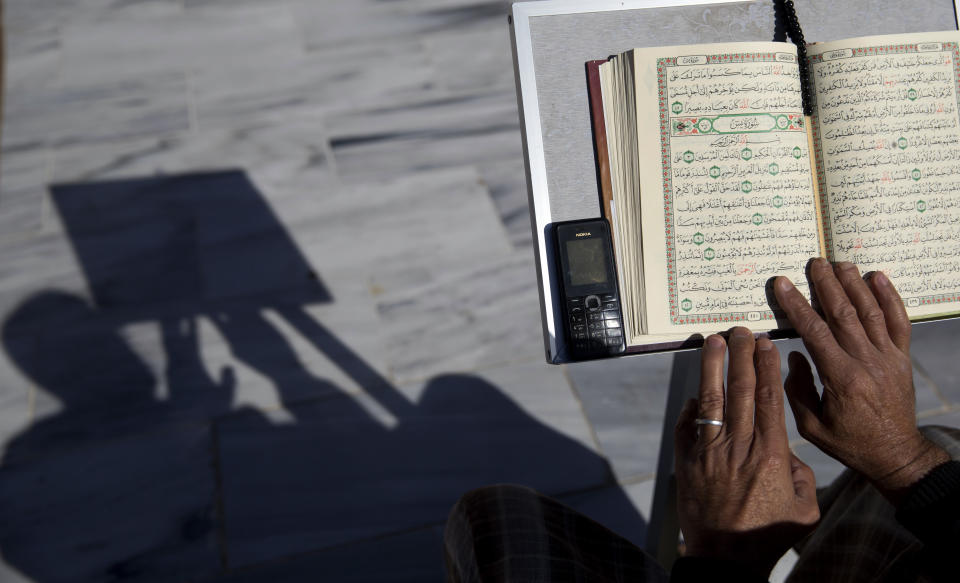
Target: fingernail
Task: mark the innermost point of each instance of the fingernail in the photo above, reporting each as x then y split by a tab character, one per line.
764	344
880	279
846	266
821	263
784	284
715	341
742	332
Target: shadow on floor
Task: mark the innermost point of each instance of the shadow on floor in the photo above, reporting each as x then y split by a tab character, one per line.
120	480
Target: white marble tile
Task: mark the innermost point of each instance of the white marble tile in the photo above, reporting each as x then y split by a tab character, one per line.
477	59
625	400
479	129
934	350
26	16
492	145
482	313
67	114
283	161
363	158
507	182
376	157
24	170
327	24
127	44
21	213
329	82
23	180
431	221
439	113
33	60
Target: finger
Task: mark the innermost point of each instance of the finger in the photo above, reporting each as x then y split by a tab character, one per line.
804	481
816	335
839	312
803	396
711	386
895	315
741	384
771	425
864	302
685	432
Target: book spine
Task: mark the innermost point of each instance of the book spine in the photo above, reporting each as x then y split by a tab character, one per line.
600	137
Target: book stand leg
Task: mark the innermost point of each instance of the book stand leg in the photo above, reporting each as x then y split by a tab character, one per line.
664	530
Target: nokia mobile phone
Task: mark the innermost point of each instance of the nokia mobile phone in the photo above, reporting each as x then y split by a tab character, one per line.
592	317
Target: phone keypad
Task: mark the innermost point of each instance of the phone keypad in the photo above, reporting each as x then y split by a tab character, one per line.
596	325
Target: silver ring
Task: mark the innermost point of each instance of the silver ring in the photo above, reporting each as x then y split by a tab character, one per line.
709	422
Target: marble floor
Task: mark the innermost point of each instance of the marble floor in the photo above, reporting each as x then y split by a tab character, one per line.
268	303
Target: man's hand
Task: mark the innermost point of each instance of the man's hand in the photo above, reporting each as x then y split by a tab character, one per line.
742	495
866	415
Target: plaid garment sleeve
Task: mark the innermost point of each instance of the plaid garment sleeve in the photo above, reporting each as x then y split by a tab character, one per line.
863	538
699	570
509	533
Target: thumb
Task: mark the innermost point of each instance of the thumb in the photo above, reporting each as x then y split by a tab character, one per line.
802	395
804	481
805	488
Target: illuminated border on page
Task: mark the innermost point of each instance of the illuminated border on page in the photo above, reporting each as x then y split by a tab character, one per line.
667	129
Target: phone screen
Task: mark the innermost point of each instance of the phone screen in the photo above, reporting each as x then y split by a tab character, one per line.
587	261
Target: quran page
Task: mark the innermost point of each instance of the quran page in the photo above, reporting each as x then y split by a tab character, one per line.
727	187
887	143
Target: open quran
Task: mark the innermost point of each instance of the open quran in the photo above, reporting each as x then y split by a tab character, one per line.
714	181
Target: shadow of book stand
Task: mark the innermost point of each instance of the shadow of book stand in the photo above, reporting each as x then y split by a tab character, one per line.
552	41
172	248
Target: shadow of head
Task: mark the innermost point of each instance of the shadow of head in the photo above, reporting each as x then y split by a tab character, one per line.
56	340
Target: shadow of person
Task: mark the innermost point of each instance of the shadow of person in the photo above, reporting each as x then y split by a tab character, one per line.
118	485
140	466
356	467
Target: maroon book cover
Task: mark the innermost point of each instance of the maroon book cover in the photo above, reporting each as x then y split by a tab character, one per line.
599	136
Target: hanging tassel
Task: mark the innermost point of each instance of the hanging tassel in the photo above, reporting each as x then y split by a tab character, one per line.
796	35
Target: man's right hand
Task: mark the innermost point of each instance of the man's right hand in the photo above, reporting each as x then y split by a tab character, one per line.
866	415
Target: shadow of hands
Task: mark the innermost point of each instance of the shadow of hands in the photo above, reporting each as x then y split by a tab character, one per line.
257	342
